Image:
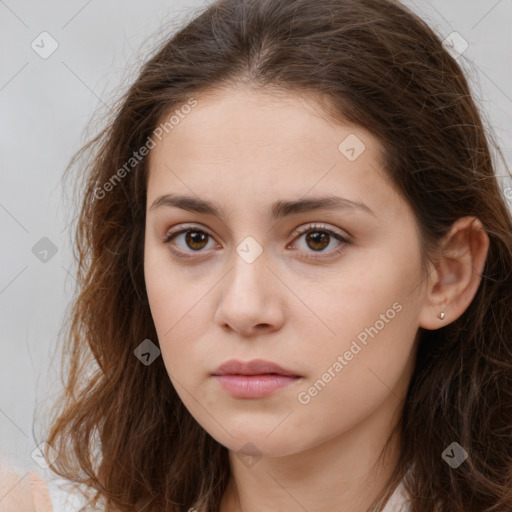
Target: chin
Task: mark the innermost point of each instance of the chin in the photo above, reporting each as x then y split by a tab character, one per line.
258	444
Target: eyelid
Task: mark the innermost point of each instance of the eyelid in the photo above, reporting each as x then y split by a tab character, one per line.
296	232
323	227
184	227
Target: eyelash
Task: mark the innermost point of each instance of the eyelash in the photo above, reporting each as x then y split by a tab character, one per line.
297	233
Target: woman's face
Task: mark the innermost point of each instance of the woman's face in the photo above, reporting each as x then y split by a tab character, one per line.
268	278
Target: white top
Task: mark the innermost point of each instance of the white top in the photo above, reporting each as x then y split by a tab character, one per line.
62	496
399	500
64	500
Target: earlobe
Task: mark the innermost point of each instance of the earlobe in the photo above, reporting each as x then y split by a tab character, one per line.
442	314
457	274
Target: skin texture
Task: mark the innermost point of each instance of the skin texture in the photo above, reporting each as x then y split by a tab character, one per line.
15	491
245	149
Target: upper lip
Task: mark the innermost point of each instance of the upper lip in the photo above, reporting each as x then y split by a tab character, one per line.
253	367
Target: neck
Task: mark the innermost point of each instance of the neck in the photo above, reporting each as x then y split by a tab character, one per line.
343	473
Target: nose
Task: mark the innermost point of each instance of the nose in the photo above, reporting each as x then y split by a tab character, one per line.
251	299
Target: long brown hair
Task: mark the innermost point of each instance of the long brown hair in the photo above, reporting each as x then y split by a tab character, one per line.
120	428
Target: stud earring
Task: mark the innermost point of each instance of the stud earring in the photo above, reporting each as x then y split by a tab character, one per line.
442	315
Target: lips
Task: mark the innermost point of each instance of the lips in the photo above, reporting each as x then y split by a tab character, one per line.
254	379
253	367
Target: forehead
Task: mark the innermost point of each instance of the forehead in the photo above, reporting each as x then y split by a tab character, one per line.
247	118
257	145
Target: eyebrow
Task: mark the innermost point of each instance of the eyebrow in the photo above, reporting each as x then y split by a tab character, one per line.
280	209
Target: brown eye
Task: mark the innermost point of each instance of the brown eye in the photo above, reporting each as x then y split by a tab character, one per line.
196	240
187	240
317	240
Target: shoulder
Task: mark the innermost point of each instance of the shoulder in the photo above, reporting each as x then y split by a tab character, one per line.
15	491
29	492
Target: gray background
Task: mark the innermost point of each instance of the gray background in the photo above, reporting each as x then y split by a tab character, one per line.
45	106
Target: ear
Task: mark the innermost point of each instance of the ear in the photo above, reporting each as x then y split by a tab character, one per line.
456	275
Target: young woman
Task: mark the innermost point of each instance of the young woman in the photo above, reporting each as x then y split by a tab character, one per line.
294	276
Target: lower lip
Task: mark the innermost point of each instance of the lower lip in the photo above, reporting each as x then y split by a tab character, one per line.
253	386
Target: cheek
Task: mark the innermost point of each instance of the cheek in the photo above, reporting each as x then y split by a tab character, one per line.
366	364
371	292
372	318
161	296
171	291
179	311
